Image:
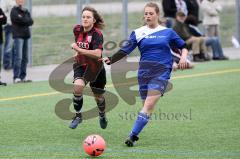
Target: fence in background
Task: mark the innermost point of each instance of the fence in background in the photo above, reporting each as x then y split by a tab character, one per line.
238	19
52	30
55	19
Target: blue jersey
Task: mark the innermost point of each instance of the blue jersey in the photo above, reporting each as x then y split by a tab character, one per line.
154	46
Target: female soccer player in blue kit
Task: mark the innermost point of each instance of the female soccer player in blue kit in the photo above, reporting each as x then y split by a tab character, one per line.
155	66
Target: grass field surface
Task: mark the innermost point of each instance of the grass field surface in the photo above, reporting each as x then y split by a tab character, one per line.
199	118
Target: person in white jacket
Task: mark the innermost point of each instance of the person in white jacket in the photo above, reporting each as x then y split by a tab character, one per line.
211	19
7	6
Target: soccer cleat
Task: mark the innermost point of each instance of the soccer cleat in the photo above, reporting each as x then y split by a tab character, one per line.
130	141
103	120
76	120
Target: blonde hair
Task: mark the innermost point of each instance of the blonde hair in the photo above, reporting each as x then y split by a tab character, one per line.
156	8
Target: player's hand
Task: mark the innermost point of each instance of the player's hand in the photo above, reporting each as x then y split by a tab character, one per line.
74	46
183	63
106	60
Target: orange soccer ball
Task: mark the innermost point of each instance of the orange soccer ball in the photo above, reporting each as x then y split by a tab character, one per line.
94	145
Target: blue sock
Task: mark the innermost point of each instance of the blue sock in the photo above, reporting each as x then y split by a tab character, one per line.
140	123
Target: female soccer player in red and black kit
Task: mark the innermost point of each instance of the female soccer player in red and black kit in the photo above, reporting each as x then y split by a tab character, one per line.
88	46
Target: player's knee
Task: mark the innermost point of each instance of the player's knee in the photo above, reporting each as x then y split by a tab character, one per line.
78	88
78	91
79	82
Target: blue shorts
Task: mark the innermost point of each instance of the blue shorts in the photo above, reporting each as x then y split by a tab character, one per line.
158	82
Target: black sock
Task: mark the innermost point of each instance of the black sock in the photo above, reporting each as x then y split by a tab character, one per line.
101	106
77	103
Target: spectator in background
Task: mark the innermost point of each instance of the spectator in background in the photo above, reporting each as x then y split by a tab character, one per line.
170	8
21	22
193	8
213	42
176	53
211	10
3	20
197	44
7	6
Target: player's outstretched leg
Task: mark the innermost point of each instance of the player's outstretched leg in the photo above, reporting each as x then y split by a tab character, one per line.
140	123
77	102
130	141
102	115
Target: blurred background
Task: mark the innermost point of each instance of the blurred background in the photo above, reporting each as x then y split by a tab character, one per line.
55	19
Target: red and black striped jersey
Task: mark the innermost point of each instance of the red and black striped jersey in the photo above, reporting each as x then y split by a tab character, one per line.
90	40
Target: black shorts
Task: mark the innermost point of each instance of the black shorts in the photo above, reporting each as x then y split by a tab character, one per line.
97	83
